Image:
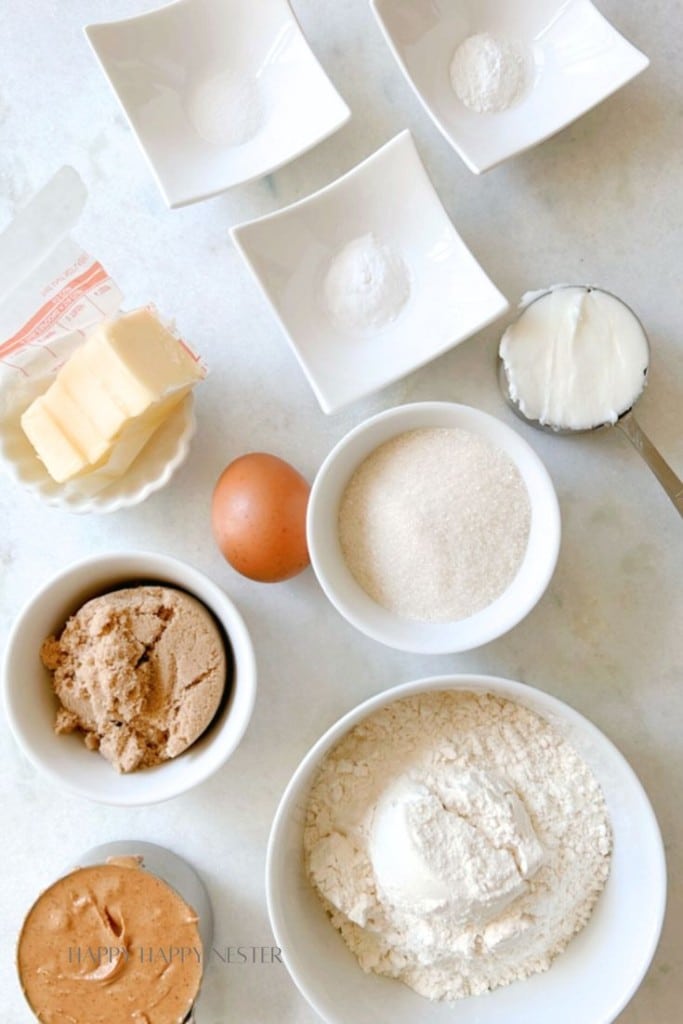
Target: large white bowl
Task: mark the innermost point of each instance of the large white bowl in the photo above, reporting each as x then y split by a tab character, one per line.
218	92
589	983
574	56
30	703
351	600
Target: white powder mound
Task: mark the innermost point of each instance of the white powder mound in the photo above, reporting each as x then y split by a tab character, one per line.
457	841
434	524
487	74
367	285
226	109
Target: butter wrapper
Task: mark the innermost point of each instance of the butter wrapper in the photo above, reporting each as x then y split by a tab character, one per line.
51	290
51	293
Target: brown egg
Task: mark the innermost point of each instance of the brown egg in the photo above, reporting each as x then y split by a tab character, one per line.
258	516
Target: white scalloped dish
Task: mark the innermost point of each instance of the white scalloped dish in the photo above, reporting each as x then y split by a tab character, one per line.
152	469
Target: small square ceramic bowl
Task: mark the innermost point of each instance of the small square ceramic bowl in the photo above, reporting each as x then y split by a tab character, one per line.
387	202
570	56
218	92
30	703
352	601
589	983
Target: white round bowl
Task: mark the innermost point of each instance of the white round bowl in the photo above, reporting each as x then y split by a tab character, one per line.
590	982
348	596
30	703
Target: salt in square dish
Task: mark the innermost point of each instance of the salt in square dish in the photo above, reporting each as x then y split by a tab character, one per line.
218	92
572	59
390	197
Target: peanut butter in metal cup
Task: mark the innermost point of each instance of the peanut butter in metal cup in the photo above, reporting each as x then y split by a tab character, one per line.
113	943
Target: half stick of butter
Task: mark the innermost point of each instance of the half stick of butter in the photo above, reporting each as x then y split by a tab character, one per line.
110	397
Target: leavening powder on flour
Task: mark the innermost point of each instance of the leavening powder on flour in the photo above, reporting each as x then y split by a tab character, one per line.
457	842
487	74
434	524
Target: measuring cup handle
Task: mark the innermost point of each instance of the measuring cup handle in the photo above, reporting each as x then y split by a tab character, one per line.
672	484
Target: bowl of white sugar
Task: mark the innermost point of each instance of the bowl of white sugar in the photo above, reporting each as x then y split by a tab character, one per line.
433	527
465	848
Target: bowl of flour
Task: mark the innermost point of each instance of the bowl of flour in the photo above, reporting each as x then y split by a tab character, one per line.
433	527
468	848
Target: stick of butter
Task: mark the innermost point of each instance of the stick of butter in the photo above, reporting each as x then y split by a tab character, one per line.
110	397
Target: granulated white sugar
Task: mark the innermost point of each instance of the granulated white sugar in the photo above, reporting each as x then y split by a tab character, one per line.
434	524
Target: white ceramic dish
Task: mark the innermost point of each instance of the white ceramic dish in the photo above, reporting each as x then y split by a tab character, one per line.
163	454
390	196
30	703
218	92
590	982
574	59
350	599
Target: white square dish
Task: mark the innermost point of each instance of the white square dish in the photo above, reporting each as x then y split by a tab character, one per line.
391	197
218	92
572	57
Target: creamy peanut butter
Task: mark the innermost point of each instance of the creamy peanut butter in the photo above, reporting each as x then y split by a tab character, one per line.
110	944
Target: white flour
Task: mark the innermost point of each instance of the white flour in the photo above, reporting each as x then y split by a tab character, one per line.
487	74
457	841
367	285
434	524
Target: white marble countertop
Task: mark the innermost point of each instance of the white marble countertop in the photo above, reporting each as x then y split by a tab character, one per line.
602	202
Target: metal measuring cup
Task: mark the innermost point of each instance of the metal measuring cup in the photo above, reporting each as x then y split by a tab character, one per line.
172	870
626	423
